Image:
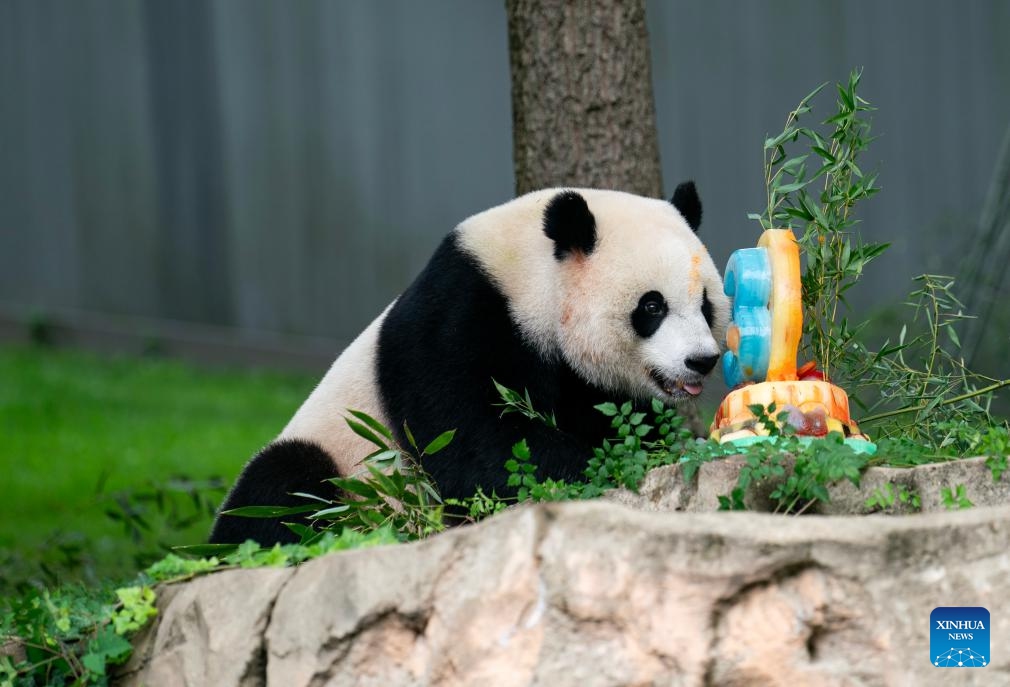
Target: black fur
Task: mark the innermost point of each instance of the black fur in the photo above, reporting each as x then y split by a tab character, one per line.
569	223
647	323
706	307
686	200
269	479
440	346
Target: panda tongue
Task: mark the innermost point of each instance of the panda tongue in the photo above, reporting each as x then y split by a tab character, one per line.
693	389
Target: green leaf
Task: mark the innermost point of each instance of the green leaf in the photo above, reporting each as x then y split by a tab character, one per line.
608	409
953	336
383	459
798	213
268	511
439	443
839	118
409	435
810	96
330	513
824	153
373	517
793	164
774	141
789	188
409	498
373	423
818	214
365	433
521	450
137	607
312	497
506	393
94	662
382	482
354	486
427	488
303	532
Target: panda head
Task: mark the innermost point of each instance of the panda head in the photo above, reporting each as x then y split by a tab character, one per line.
638	306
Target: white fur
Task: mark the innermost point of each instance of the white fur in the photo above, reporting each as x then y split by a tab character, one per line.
582	306
351	382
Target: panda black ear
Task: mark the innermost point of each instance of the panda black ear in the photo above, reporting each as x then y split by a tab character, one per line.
569	223
686	200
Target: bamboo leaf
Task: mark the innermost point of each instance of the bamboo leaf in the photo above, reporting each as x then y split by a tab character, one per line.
439	442
355	486
372	423
382	458
789	188
268	511
365	433
410	435
330	513
794	163
953	336
382	483
810	96
205	550
823	153
310	496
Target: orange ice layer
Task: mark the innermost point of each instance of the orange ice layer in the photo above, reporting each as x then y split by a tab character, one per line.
806	396
785	304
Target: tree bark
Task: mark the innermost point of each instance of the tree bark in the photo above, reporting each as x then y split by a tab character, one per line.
582	106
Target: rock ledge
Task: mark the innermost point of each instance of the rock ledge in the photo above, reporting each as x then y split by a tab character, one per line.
598	594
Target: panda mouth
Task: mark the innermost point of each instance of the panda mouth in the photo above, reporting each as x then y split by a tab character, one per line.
676	387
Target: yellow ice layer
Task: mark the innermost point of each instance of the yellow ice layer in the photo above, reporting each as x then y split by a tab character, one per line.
785	304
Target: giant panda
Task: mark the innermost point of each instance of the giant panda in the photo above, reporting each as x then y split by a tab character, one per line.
576	295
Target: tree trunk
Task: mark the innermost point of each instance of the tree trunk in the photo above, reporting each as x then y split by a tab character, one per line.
582	106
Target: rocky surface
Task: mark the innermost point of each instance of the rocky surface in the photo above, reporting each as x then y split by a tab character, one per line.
599	594
664	489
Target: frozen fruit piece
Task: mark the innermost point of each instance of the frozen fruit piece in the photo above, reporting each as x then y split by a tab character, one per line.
796	417
816	423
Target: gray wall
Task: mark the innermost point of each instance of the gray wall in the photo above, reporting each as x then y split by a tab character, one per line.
290	166
269	165
726	74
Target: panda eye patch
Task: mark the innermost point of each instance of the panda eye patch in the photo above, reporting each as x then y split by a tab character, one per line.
706	307
649	314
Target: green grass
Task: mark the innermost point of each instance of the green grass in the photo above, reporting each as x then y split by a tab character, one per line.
72	421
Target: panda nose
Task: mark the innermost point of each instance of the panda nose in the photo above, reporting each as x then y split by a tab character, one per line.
702	364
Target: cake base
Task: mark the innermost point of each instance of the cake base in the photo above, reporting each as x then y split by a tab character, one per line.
814	409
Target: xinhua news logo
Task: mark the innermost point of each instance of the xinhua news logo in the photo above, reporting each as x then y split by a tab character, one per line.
959	637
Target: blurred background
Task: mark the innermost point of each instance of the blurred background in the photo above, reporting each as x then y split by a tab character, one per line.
247	183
